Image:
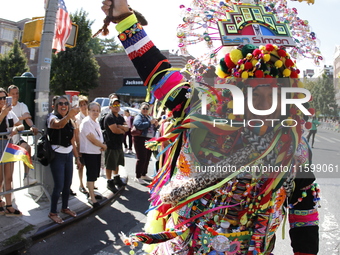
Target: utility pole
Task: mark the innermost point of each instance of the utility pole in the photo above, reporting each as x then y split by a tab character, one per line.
43	84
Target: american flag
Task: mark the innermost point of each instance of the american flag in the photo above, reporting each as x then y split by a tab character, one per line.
63	27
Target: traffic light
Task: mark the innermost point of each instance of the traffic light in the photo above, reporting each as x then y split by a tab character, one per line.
33	30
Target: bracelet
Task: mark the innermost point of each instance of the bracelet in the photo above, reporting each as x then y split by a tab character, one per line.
32	126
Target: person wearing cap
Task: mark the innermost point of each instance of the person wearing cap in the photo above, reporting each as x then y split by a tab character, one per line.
196	209
115	128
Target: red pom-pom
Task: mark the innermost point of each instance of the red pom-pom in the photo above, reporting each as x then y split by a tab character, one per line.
228	61
289	63
308	125
248	66
292	111
297	71
257	52
285	138
219	110
281	53
311	110
268	76
294	75
258	74
270	47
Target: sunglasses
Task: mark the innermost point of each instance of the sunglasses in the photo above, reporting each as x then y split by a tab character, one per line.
3	98
115	105
63	103
145	109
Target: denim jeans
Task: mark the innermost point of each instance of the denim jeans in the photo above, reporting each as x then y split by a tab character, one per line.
62	172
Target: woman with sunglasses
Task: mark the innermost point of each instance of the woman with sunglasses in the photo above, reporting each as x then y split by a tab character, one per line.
9	122
145	123
61	133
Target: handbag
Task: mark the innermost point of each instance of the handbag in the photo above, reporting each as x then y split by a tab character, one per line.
45	153
136	132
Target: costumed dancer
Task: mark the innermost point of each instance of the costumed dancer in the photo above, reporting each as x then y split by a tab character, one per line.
193	211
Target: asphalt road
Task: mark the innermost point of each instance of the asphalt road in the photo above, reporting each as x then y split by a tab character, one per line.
99	233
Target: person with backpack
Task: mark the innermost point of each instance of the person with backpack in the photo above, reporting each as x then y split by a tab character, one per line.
115	128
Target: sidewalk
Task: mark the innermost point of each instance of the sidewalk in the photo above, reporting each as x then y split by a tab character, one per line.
18	232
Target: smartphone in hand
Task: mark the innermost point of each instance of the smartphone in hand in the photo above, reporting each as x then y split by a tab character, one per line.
8	101
75	101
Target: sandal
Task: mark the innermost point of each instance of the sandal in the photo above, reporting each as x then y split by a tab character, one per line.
8	213
69	212
55	217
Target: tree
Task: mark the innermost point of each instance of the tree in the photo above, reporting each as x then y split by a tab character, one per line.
76	68
323	93
13	63
105	46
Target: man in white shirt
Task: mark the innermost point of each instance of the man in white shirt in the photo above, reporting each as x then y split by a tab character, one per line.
21	110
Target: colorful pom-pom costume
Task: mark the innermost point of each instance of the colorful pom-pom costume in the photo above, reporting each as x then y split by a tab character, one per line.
203	201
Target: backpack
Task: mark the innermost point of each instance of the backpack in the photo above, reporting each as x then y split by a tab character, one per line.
45	153
102	126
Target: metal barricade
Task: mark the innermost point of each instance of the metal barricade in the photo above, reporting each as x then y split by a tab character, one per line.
17	168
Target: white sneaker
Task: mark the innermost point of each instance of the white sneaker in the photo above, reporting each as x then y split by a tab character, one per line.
126	150
147	178
141	181
29	181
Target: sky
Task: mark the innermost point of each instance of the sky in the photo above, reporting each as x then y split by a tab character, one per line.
164	16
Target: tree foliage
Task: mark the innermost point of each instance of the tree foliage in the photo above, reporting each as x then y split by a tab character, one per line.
105	46
76	68
13	63
323	93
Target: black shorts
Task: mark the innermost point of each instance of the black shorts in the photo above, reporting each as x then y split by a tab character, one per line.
92	164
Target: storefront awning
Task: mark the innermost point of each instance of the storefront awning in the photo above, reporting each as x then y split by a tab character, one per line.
135	91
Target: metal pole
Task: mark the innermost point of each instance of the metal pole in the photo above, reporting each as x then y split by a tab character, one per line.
43	83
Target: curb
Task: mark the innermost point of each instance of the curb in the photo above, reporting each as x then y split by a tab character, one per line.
52	227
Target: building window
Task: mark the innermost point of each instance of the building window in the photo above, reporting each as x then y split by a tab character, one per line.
7	34
5	48
32	53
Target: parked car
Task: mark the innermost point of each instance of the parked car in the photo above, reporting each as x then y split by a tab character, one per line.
106	109
105	101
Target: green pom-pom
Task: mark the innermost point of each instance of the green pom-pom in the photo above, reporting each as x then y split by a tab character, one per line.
223	65
248	48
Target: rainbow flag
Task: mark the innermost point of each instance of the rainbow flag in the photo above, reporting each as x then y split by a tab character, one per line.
14	153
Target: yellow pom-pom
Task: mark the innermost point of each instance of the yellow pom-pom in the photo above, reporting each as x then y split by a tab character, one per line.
236	55
262	47
254	61
300	84
249	56
278	64
220	73
242	66
286	73
244	75
266	57
231	116
289	121
230	104
301	95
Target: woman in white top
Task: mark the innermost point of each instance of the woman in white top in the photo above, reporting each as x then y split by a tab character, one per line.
9	122
91	147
